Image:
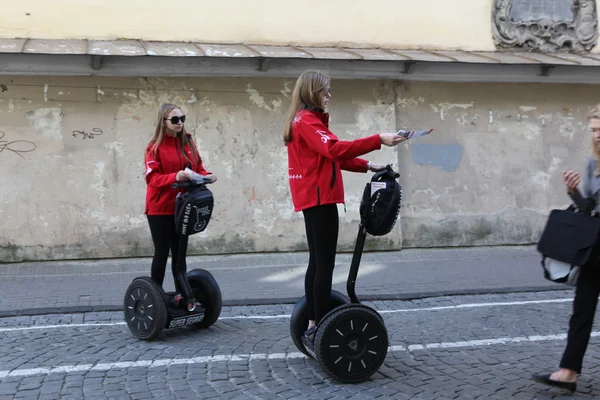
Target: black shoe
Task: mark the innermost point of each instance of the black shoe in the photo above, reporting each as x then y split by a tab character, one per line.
308	339
545	379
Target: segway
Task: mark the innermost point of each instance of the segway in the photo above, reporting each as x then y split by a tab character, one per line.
197	302
351	341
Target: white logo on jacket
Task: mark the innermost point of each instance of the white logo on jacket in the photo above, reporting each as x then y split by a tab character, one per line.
148	169
295	176
324	137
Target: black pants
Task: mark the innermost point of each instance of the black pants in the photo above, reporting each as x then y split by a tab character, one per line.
582	319
322	224
164	236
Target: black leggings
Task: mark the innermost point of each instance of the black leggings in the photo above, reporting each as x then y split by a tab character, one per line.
582	319
164	236
322	224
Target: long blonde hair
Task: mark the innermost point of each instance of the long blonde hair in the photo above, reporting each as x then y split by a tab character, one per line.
159	134
595	114
310	85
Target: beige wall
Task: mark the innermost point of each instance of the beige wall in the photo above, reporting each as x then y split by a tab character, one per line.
438	24
488	174
493	168
76	197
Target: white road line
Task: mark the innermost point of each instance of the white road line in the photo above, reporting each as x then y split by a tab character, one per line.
475	305
37	327
284	316
66	369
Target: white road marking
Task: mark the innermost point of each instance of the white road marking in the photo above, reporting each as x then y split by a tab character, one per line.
284	316
66	369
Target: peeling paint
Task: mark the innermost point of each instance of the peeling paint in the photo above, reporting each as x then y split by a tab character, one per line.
532	131
259	100
543	178
443	107
193	98
450	106
116	146
46	121
431	194
527	108
207	104
286	90
410	101
372	118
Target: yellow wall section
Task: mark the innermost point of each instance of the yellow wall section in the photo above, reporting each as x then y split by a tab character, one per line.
439	24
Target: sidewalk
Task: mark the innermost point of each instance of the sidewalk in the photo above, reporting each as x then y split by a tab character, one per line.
99	285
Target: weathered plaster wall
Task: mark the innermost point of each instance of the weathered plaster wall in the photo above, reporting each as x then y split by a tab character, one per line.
488	174
438	24
493	167
77	194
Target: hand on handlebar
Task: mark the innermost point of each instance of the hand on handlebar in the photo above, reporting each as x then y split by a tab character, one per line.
377	167
182	176
211	178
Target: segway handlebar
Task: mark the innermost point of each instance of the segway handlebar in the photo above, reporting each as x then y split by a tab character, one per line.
195	180
191	183
389	171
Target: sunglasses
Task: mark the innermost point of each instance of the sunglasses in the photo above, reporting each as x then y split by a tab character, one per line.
175	120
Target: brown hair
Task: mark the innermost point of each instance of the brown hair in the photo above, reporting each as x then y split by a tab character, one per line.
159	133
309	86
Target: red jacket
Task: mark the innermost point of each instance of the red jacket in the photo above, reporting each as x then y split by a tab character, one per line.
161	169
316	157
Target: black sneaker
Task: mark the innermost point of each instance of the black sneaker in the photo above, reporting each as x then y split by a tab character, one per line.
308	339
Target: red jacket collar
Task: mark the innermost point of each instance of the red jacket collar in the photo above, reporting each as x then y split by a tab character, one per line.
323	116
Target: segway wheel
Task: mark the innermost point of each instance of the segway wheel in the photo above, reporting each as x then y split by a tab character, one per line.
145	308
206	291
299	318
351	343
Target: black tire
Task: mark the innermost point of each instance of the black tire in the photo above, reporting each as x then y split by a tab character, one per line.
299	318
206	291
351	343
145	309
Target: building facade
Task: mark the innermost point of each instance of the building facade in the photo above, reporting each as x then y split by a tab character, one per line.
79	95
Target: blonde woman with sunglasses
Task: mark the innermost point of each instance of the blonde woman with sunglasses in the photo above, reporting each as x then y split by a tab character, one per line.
170	151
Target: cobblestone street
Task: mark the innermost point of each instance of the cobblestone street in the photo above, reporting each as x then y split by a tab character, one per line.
482	346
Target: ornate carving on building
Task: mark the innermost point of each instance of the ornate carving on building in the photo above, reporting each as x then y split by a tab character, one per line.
545	25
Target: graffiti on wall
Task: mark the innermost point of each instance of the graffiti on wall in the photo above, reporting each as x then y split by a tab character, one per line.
17	147
87	135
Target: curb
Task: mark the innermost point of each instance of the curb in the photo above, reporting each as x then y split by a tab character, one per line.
291	300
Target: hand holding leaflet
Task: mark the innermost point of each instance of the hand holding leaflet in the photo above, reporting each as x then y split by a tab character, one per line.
413	134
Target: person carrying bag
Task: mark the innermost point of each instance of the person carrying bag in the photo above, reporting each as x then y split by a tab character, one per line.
571	237
568	243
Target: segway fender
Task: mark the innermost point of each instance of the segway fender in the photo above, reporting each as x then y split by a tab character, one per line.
299	317
206	291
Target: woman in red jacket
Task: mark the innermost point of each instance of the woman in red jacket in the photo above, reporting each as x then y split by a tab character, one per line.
170	151
315	160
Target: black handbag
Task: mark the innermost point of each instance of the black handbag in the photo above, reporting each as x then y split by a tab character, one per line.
570	237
